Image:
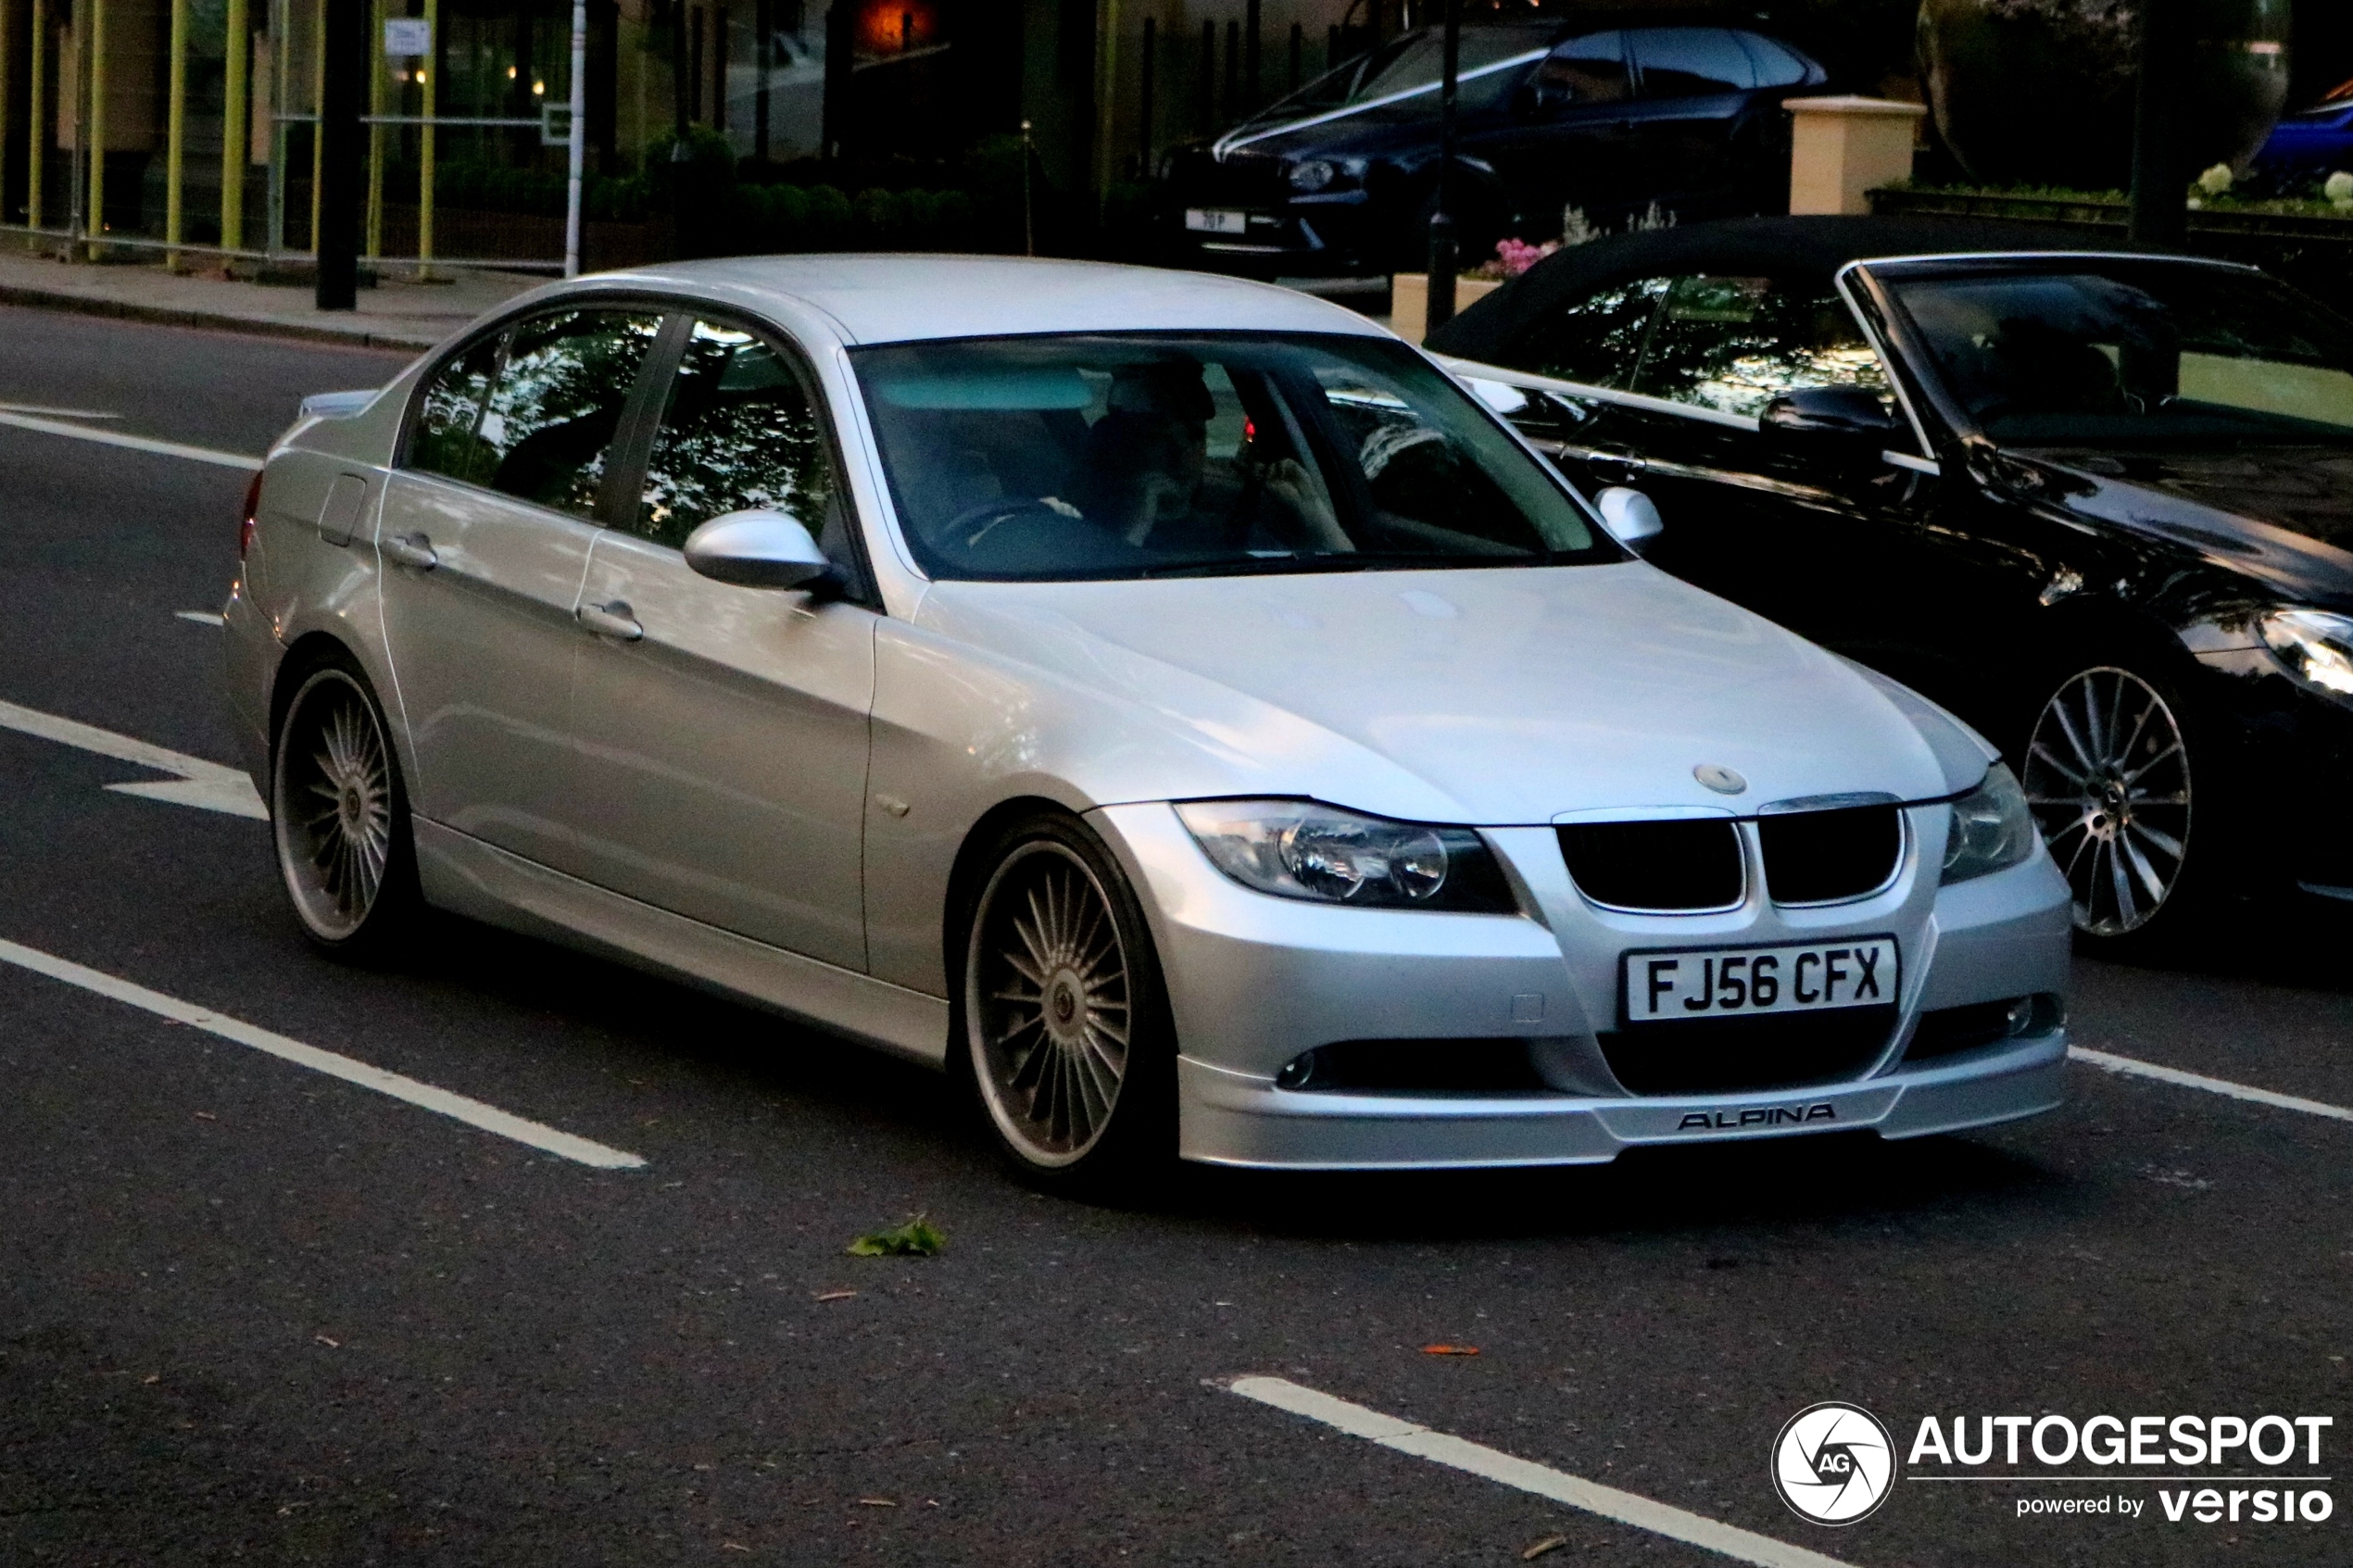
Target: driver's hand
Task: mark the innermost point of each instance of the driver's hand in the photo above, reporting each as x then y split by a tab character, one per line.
1288	481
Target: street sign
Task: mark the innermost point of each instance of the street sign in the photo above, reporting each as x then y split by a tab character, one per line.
408	37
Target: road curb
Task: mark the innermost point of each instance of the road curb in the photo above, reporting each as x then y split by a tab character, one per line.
169	316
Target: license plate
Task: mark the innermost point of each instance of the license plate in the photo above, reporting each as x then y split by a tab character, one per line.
1852	972
1215	220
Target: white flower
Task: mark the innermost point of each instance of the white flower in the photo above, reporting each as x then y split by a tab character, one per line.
2338	188
2215	181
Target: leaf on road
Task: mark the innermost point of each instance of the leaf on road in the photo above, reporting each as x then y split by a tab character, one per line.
1538	1548
877	1502
330	1343
1450	1349
836	1295
917	1238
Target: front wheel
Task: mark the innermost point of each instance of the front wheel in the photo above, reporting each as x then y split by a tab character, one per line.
339	817
2107	774
1062	1013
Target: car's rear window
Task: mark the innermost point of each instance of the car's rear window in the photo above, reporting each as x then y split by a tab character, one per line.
1122	455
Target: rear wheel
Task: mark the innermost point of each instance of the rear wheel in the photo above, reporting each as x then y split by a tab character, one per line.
339	815
2108	772
1063	1016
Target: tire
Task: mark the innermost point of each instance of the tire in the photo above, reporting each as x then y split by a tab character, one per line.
2116	777
339	815
1061	1023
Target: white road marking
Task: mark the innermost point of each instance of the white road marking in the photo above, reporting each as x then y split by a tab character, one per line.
55	413
473	1113
202	616
201	783
1493	1464
136	443
2126	1067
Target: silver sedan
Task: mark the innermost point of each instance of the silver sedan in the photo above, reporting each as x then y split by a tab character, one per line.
1171	705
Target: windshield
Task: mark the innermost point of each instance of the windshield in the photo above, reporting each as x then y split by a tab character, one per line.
2128	351
1408	63
1046	459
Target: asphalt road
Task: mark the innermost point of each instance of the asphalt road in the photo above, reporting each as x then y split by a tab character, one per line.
252	1312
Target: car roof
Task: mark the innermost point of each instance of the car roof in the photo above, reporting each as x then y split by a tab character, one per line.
876	299
1798	251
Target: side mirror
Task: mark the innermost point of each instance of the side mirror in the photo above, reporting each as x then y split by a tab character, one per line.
759	548
1631	516
1843	424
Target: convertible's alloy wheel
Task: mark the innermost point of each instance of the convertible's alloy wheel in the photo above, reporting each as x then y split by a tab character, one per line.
2109	778
1047	1002
334	805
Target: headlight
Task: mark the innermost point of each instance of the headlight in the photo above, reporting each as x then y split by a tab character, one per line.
1313	174
1299	849
1992	829
2316	646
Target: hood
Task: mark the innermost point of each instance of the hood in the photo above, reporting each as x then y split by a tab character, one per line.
1491	697
2281	513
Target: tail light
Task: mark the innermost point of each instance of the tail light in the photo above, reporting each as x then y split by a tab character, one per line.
251	516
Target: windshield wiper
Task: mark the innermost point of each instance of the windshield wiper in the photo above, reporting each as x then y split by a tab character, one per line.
1336	560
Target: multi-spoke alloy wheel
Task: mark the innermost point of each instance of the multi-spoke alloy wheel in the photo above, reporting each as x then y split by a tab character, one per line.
1048	1003
2109	778
335	806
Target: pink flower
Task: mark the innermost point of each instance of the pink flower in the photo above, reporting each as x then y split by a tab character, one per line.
1517	256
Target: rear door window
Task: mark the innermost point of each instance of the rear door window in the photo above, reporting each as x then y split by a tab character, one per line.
1591	69
548	427
1691	62
1598	341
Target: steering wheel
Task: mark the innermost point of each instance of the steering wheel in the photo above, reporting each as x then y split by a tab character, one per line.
990	513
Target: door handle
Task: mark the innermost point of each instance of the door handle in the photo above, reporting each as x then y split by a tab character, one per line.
410	549
615	620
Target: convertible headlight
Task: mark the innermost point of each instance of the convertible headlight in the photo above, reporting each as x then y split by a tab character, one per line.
1299	849
2316	646
1992	829
1311	174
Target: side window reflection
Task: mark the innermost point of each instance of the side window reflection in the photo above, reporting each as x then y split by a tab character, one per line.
549	427
447	441
1599	340
738	432
1735	344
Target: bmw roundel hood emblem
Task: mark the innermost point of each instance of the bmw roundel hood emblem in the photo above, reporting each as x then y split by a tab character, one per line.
1720	779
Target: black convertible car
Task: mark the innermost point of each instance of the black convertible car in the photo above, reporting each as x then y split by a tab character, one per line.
1338	177
2100	504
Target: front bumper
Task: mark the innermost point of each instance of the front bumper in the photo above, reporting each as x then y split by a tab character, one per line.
1255	980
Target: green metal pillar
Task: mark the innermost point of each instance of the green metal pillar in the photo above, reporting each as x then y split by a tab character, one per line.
37	100
429	74
376	135
93	124
318	117
234	128
175	133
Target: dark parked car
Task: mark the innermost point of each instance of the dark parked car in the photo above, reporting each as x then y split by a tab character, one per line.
2099	504
1339	177
2307	147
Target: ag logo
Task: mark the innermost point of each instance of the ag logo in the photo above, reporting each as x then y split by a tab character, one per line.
1833	1463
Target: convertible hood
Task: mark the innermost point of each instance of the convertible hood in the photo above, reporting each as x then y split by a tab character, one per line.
1494	697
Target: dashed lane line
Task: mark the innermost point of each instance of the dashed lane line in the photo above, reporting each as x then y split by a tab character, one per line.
1494	1464
136	443
457	1107
206	785
2128	1067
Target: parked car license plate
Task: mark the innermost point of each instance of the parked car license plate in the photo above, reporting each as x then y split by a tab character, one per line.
1851	971
1215	220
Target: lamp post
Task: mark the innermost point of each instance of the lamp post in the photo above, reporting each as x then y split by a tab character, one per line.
343	52
1442	260
2159	213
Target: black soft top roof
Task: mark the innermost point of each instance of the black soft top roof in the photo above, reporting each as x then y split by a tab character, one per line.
1793	250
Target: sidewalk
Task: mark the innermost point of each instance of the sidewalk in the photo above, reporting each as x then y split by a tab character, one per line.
391	315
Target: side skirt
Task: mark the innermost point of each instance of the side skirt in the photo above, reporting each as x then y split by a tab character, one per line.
463	874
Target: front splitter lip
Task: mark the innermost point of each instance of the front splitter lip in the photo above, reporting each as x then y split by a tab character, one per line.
1230	1119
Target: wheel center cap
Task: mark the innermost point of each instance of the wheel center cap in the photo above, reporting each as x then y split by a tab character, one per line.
1061	1001
350	805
